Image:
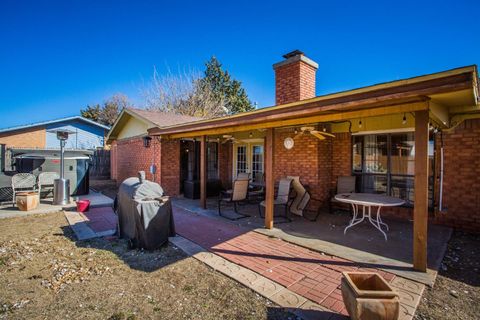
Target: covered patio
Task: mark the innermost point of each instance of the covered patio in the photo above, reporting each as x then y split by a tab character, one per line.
362	244
420	106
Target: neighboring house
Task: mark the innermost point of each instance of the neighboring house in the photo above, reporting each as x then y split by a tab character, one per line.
88	134
128	154
417	139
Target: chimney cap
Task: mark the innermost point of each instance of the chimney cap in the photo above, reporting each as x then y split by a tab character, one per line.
293	54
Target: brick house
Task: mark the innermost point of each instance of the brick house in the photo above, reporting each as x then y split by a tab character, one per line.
416	139
127	140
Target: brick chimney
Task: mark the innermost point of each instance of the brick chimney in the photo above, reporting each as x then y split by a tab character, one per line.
294	78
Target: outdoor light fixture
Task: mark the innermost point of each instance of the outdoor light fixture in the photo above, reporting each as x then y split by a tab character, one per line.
360	124
250	135
61	187
295	131
324	129
404	120
147	141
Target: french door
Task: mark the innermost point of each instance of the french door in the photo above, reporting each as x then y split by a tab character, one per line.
248	157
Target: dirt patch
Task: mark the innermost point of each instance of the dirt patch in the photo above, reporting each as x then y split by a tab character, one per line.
45	274
456	293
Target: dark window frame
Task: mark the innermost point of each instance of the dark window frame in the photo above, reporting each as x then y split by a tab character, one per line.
388	175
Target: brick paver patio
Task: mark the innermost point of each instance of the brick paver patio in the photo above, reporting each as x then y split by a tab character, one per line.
311	274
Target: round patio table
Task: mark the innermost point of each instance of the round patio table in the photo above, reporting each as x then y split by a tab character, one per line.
367	201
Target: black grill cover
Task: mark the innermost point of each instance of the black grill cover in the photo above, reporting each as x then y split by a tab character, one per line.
144	214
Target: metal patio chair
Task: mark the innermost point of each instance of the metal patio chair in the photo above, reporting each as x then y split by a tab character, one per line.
23	182
282	199
46	179
345	184
237	194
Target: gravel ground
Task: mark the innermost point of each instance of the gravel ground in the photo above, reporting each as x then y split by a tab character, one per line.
456	294
45	274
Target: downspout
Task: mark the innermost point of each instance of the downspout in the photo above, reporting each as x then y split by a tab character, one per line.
440	198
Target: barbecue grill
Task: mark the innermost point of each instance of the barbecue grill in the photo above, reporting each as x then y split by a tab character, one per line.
144	213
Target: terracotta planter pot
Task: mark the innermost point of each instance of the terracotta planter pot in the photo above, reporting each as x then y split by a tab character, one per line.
27	200
368	296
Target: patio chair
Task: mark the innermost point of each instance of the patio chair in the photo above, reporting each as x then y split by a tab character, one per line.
256	190
345	184
46	179
236	195
243	176
303	199
23	182
282	199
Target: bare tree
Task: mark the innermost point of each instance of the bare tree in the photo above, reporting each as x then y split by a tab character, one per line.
182	93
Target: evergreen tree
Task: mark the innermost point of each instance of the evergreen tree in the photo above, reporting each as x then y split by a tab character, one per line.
108	112
225	88
92	113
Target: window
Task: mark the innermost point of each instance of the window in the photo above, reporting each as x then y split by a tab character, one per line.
385	163
212	160
241	159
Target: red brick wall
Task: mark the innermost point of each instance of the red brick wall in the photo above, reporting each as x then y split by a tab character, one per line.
461	197
294	82
130	156
169	170
309	159
341	157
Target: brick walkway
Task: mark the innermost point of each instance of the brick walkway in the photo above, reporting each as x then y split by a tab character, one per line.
308	273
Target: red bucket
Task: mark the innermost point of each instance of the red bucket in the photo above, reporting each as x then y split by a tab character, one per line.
83	205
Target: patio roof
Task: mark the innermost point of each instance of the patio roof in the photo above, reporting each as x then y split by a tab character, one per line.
445	94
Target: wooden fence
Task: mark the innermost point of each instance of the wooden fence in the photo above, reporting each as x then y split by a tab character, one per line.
100	165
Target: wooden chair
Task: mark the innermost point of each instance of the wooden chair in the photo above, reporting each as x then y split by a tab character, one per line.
23	182
282	199
46	179
237	194
345	184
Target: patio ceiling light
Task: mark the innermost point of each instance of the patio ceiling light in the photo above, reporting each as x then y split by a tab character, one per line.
360	124
404	120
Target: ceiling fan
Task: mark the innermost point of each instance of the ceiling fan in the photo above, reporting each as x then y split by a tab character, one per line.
229	138
317	134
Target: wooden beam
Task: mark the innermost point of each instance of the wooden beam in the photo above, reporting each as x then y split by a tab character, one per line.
203	172
412	107
420	211
374	96
269	179
439	114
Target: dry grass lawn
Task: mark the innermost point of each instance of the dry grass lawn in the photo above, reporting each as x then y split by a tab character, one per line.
45	274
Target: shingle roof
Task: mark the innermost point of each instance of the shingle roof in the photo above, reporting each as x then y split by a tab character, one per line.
163	119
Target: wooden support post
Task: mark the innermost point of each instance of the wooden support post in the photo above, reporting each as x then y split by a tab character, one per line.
420	211
269	180
203	172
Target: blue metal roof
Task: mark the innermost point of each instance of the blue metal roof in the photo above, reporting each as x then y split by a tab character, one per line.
54	121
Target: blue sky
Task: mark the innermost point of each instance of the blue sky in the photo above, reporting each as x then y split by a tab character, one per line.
58	56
